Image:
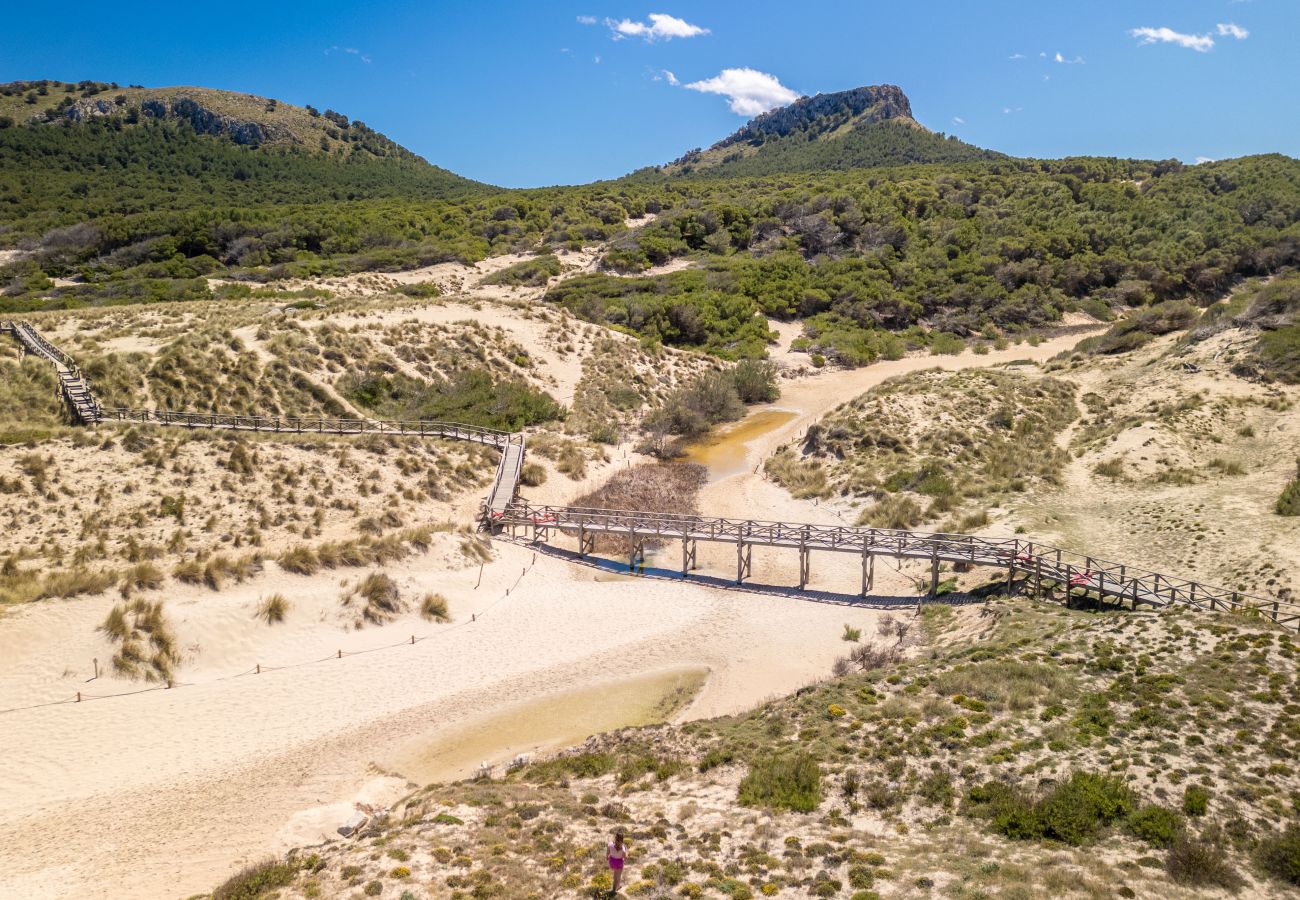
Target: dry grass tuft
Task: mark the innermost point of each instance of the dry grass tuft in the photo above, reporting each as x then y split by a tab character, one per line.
272	609
434	608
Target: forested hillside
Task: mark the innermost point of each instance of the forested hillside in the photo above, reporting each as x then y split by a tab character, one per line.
878	261
873	260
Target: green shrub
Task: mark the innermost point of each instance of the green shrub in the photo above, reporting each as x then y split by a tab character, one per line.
1278	352
1072	812
423	290
471	397
1288	504
755	380
1279	855
1199	863
1156	825
255	880
1196	800
790	781
533	272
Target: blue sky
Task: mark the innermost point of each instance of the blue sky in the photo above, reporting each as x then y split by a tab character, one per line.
524	94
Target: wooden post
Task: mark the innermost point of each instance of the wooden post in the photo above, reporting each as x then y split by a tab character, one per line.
868	571
744	559
96	662
258	669
803	565
582	540
340	654
1069	587
78	696
934	575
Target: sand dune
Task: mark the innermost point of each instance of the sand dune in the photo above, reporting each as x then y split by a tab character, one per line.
161	793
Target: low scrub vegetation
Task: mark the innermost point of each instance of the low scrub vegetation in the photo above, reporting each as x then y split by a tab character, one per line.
273	609
433	607
146	646
783	781
1288	503
471	397
933	444
535	272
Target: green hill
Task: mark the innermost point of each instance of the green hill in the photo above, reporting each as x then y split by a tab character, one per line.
861	128
69	152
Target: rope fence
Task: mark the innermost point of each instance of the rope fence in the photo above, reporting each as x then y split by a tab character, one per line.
260	668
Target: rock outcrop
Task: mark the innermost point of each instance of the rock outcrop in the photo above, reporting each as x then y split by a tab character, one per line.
207	121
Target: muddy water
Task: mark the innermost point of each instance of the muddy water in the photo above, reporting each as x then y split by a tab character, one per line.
724	451
550	723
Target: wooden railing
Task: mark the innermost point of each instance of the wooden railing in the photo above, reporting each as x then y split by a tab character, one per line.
1041	563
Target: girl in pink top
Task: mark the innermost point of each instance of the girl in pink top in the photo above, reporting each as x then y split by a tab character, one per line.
615	854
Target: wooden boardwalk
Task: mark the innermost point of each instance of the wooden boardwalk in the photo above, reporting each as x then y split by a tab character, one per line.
1042	565
73	386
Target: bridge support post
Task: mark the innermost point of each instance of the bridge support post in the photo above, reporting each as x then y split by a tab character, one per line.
586	542
1069	587
688	555
635	552
803	566
744	560
868	572
934	576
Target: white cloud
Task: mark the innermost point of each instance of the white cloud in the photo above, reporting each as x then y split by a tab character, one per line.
586	20
1007	110
1204	159
958	120
1077	61
597	60
1201	43
1016	56
665	75
660	26
750	91
351	51
1231	29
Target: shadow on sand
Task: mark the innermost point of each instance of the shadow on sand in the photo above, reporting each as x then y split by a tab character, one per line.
872	601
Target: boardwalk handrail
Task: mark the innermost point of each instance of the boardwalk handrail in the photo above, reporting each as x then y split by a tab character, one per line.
501	509
1042	562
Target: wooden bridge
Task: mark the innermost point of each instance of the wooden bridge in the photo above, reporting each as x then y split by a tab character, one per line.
502	509
1044	565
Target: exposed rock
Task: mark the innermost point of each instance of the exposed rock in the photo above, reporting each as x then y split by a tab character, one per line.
208	121
88	108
